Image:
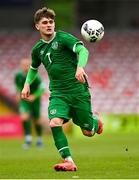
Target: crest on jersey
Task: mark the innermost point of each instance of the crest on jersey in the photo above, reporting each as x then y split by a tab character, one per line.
55	45
53	111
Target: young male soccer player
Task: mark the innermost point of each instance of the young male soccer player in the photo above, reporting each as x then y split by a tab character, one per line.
64	58
29	108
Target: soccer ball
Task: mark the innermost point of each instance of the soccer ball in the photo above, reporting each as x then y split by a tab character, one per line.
92	31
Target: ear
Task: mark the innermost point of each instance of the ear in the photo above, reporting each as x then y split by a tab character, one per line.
37	27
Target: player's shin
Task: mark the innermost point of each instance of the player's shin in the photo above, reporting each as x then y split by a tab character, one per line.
61	141
62	146
97	124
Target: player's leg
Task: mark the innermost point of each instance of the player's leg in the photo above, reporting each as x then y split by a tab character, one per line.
89	124
26	122
83	116
58	113
37	122
100	123
97	125
62	146
80	118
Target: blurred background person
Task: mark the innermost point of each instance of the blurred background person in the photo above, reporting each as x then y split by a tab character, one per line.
29	109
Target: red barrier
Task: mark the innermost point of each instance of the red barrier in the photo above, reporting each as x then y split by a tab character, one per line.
10	127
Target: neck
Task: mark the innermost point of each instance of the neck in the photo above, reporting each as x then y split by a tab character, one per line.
47	37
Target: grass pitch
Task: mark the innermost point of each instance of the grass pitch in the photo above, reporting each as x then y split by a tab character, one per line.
108	156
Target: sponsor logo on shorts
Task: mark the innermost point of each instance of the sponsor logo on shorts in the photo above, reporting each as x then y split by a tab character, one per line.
53	111
86	125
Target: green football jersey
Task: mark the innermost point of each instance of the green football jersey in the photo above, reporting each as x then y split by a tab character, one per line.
20	78
60	60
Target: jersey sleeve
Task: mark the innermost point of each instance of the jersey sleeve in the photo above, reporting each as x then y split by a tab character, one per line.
83	54
70	41
35	59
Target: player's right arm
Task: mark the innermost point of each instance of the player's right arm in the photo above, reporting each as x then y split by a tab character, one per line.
32	73
18	85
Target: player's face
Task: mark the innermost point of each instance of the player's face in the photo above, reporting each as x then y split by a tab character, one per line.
25	64
46	26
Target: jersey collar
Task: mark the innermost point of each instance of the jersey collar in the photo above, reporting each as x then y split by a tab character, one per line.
49	40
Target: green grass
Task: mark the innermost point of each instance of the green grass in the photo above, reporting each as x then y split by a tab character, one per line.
101	157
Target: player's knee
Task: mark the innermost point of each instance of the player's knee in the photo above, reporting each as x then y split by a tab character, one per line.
87	133
24	116
56	122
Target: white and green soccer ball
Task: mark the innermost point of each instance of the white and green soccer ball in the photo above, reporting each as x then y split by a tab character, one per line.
92	31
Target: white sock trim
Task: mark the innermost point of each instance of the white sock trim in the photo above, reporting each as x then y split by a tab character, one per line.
69	158
63	148
93	131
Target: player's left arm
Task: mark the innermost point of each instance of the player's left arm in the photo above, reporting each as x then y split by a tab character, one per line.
77	47
83	54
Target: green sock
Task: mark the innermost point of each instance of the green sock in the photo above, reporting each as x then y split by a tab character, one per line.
61	141
38	128
27	127
95	123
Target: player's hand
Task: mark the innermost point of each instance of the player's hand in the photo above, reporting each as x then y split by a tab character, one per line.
30	98
26	91
81	75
